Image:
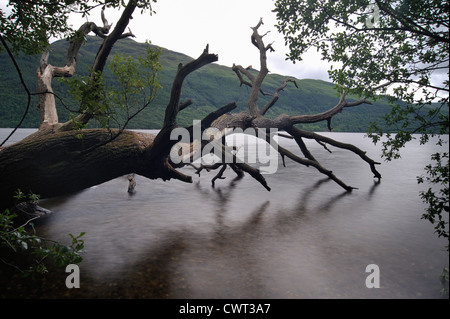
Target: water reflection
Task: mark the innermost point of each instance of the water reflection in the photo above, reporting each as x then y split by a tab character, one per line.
232	261
376	183
305	239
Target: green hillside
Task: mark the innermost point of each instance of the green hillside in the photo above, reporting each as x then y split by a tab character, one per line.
210	87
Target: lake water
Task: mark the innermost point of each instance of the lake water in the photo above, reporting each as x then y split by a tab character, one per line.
306	238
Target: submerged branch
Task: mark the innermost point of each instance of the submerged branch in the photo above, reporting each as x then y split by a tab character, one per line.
349	147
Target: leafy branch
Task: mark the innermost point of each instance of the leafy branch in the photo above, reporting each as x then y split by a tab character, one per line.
20	238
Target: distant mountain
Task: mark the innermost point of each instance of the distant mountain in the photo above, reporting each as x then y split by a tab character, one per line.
211	87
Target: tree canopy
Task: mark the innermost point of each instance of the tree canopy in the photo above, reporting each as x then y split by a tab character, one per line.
31	24
395	48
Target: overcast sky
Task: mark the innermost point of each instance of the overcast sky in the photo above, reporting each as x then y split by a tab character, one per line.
187	26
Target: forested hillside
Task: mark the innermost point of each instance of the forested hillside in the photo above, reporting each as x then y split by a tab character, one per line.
211	87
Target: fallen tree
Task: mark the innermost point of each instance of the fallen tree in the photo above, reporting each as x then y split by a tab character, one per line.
61	159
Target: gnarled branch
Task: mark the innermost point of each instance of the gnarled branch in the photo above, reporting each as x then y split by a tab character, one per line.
46	73
184	70
102	55
276	95
256	117
327	115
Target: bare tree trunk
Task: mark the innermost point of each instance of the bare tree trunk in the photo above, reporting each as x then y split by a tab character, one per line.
57	163
47	105
62	163
46	72
60	160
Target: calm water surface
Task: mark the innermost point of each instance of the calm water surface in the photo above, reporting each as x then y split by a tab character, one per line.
306	238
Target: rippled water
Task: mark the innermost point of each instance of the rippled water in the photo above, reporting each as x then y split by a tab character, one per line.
306	238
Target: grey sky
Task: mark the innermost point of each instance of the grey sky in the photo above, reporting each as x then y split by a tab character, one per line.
187	26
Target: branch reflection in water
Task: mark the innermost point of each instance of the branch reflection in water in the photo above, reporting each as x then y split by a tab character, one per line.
304	239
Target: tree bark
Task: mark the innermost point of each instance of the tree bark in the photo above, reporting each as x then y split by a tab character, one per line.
57	164
46	72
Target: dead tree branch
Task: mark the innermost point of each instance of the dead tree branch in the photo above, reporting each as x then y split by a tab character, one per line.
184	70
276	95
64	169
327	114
283	122
102	55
